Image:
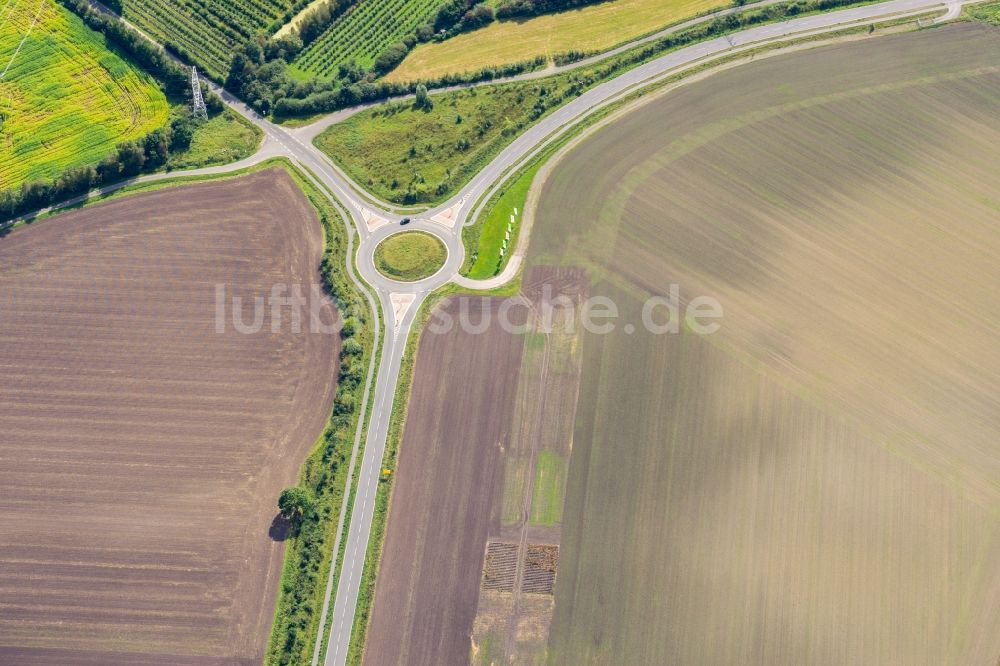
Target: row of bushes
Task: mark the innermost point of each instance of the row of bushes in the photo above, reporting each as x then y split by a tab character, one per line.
350	94
129	159
322	482
519	8
259	75
258	72
343	97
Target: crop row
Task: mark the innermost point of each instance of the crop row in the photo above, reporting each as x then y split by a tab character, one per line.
364	32
209	31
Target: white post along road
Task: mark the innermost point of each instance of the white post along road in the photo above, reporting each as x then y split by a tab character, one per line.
370	221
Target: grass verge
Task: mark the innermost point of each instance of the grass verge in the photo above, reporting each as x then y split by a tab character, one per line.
222	139
488	246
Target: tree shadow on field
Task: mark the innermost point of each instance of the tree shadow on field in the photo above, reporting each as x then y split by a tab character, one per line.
281	528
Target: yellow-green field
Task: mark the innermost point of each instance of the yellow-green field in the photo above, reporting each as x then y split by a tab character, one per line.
817	482
66	99
594	28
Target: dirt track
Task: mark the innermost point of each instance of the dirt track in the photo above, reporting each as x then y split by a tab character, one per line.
142	452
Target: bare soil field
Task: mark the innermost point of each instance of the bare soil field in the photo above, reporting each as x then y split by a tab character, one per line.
466	570
142	451
445	495
816	482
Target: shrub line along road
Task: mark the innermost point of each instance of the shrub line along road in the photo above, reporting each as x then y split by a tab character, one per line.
373	222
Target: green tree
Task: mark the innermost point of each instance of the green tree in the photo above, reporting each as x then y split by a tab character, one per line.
155	149
295	502
423	100
181	133
390	57
131	157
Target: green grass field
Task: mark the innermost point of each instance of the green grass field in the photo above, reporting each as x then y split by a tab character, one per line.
208	31
65	99
484	240
407	155
595	28
988	13
410	256
549	488
225	138
364	32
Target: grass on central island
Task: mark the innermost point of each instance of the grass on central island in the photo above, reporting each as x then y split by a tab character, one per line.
410	256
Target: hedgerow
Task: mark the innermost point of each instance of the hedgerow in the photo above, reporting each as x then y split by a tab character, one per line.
308	554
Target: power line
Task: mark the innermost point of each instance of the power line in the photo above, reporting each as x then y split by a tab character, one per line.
200	111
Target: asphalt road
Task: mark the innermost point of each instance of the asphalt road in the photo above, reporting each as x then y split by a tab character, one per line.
373	220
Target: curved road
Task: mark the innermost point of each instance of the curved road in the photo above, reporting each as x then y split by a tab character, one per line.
374	220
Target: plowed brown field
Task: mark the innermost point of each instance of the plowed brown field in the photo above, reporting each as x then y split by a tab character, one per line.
446	494
142	452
